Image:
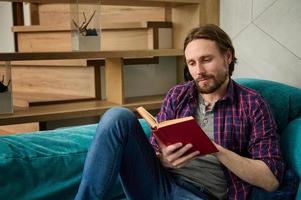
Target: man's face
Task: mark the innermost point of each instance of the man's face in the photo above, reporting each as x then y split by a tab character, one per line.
208	67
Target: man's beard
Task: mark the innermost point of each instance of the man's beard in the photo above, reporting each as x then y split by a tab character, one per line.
214	83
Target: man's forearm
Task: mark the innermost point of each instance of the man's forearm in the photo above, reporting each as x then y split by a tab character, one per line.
255	172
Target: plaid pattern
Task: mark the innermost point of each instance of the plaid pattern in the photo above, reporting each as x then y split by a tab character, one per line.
243	123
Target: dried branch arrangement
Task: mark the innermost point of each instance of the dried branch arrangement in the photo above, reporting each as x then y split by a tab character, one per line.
83	30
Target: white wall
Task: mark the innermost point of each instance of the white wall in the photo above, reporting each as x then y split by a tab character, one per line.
6	22
266	36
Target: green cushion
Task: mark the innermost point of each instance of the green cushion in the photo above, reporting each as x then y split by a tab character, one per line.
46	164
285	100
43	165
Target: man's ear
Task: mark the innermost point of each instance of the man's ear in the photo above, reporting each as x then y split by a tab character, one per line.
228	56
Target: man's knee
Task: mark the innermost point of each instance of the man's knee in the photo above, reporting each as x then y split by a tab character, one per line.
118	122
118	118
117	114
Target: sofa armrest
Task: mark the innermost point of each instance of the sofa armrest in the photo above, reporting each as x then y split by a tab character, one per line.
291	147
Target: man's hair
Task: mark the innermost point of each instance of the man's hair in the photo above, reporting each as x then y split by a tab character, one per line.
216	34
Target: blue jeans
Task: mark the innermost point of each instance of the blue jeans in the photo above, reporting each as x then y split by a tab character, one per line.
121	149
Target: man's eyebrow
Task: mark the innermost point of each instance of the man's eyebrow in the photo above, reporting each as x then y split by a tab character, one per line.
205	56
201	57
188	60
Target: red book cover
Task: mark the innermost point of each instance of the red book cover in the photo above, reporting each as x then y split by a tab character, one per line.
186	132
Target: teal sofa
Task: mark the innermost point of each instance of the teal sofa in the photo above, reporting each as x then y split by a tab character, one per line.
49	164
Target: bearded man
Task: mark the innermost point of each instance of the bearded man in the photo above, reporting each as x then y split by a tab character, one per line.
237	119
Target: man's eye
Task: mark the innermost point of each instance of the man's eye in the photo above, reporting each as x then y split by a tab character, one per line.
191	63
207	60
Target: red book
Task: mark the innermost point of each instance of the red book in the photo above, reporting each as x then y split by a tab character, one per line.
185	130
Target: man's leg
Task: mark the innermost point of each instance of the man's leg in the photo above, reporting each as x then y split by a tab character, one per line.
120	145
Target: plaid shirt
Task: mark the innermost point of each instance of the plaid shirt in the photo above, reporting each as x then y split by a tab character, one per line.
243	123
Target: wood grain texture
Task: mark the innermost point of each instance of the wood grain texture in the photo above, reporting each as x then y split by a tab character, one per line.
59	14
64	81
114	80
19	128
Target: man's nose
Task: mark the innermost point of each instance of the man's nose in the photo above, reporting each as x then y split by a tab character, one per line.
200	68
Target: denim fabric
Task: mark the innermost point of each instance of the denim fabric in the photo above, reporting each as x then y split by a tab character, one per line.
120	147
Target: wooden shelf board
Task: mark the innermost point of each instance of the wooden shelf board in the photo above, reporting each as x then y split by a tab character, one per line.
152	3
104	27
34	97
53	63
80	62
89	54
74	110
55	112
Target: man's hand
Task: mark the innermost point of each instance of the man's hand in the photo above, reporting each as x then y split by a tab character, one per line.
174	156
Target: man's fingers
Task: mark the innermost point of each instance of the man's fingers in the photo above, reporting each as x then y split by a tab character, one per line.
172	148
181	151
185	159
174	155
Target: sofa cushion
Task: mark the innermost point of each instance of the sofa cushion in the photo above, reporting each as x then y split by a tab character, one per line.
284	100
47	164
43	165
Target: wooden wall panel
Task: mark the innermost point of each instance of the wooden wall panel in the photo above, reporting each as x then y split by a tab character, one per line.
130	14
19	128
125	40
59	14
77	81
54	41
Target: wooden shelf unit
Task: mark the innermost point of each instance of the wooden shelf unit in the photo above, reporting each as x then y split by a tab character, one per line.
114	61
182	14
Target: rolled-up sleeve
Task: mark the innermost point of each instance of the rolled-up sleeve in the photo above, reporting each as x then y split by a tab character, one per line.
264	140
